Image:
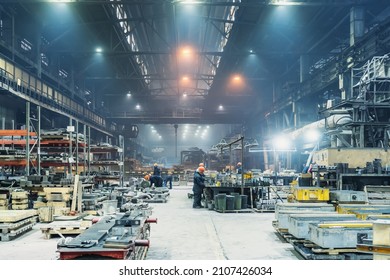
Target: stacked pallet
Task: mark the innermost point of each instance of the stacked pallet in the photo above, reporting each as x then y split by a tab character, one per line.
69	227
19	200
55	200
14	223
59	199
3	201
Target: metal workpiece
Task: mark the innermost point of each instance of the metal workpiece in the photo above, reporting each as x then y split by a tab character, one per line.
307	205
347	196
282	219
120	236
379	245
342	234
298	224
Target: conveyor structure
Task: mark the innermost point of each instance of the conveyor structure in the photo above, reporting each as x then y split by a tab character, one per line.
121	236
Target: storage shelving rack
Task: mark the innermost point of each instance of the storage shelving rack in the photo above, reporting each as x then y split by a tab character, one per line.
18	145
106	157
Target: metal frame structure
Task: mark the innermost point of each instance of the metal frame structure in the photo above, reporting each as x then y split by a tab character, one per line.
368	110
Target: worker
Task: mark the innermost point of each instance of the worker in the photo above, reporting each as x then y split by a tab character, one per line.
156	170
239	168
145	183
199	185
200	165
156	180
168	179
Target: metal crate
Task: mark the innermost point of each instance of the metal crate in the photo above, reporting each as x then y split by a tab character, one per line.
298	224
340	235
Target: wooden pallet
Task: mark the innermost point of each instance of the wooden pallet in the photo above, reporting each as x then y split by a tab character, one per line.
3	202
8	227
19	206
249	210
9	216
315	253
65	228
58	197
264	210
8	234
275	224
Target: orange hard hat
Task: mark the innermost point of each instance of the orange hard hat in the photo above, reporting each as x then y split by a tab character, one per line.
201	169
147	177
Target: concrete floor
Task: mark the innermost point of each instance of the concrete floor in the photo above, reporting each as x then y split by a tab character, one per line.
182	233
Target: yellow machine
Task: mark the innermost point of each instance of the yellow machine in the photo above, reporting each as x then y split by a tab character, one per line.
310	194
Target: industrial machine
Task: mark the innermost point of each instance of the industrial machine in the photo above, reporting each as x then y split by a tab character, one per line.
120	236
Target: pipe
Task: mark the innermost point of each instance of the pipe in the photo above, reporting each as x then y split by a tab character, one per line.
142	242
331	122
151	221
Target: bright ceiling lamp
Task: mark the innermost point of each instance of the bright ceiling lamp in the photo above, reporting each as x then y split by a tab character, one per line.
281	142
185	81
62	1
237	78
287	3
189	2
186	53
236	82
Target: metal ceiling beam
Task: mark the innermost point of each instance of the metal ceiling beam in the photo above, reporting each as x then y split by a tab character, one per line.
202	53
200	2
164	78
222	119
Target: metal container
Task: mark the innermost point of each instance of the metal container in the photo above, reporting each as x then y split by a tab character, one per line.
244	201
340	234
283	216
346	196
298	224
221	201
381	234
348	208
237	201
303	206
311	194
229	202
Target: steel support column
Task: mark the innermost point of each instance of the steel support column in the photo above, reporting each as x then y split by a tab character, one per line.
28	138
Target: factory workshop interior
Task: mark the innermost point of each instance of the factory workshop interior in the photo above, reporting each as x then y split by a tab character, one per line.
195	130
